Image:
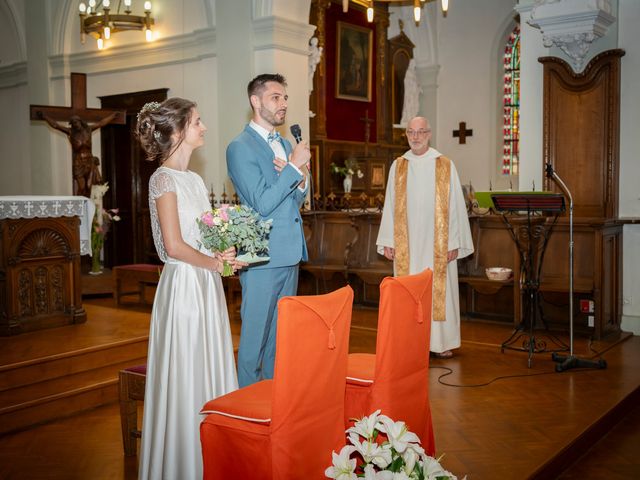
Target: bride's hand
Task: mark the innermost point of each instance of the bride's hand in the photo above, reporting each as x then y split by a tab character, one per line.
229	255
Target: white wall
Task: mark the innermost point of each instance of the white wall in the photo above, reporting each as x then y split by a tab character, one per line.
629	40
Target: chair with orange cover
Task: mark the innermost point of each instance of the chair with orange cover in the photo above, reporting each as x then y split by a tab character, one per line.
396	379
287	427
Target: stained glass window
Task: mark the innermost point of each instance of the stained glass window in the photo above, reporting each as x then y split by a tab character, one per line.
511	105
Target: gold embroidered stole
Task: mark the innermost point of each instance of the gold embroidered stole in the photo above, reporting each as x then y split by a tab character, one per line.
400	223
441	230
441	238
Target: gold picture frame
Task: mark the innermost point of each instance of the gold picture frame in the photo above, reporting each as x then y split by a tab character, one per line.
354	58
377	176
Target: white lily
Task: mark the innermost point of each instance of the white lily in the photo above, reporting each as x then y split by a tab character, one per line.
343	467
410	457
398	434
432	468
366	426
371	452
371	474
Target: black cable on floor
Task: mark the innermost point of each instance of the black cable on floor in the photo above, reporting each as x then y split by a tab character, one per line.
502	377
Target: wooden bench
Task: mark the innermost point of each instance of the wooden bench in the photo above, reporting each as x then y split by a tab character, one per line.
142	274
131	391
364	261
330	234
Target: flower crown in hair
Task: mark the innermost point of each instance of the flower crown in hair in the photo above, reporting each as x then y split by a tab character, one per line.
149	107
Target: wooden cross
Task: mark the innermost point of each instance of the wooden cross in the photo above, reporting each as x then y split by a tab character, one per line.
462	133
367	130
78	106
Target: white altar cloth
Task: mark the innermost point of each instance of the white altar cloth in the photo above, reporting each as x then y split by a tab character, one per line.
44	206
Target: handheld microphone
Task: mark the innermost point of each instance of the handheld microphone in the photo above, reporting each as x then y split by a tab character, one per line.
296	131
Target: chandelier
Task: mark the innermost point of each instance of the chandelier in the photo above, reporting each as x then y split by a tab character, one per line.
97	20
417	6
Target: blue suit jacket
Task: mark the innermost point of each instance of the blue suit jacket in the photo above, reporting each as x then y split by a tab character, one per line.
250	166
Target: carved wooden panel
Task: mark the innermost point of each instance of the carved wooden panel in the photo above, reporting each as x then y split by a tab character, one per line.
39	274
581	130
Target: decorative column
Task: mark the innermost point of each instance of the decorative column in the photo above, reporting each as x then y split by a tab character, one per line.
281	45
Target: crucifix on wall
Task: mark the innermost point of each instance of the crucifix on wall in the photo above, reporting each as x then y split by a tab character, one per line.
462	133
81	121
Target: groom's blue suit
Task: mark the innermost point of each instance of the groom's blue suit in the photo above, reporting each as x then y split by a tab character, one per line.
276	196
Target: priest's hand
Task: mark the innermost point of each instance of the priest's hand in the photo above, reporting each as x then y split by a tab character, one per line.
452	255
390	252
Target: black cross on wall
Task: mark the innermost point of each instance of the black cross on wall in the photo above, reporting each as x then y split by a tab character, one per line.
462	133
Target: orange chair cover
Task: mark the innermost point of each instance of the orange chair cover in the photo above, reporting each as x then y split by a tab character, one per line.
287	427
396	379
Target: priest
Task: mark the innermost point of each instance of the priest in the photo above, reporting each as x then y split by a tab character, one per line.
425	225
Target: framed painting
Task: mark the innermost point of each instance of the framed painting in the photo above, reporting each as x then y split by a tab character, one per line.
377	176
354	62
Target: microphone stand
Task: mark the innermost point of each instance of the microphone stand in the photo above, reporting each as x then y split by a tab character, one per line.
566	362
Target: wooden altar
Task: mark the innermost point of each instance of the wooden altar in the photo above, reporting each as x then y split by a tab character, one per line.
40	248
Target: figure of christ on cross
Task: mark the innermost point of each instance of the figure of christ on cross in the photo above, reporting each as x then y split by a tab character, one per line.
85	166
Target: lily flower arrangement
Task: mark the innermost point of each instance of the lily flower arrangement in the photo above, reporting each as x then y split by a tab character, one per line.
351	167
382	449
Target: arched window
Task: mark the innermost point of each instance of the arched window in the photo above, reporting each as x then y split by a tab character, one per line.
511	105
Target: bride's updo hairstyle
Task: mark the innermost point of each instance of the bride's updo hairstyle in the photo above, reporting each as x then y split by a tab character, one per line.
159	122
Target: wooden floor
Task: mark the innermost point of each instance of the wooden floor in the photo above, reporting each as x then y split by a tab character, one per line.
493	416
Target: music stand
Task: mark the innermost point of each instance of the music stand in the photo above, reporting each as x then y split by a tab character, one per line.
531	235
565	362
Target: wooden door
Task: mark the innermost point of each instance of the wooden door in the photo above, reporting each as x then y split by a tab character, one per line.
125	168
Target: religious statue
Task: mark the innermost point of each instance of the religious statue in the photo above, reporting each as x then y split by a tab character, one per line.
412	91
315	53
86	166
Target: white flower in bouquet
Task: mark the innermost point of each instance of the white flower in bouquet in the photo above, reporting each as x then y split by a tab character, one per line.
343	467
384	450
235	225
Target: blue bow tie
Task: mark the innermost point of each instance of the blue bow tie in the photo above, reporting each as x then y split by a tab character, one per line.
273	136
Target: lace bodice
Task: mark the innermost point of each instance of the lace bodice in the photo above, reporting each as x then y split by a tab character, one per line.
192	199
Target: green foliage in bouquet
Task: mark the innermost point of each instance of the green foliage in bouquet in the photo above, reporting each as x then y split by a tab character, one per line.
234	225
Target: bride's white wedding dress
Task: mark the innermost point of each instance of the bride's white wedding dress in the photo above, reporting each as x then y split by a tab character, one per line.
190	359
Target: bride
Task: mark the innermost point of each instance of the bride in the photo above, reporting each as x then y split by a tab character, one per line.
190	359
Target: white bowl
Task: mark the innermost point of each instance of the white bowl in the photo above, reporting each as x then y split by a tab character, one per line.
498	273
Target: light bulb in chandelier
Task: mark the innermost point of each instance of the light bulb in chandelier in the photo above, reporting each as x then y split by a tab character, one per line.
101	21
445	6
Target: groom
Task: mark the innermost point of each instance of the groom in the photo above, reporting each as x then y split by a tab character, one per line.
271	178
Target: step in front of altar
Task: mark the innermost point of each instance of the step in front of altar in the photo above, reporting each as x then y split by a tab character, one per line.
56	386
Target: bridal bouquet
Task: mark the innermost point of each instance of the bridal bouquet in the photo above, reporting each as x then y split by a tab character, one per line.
239	226
398	456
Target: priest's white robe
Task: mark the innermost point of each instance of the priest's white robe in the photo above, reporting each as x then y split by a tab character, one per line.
421	188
